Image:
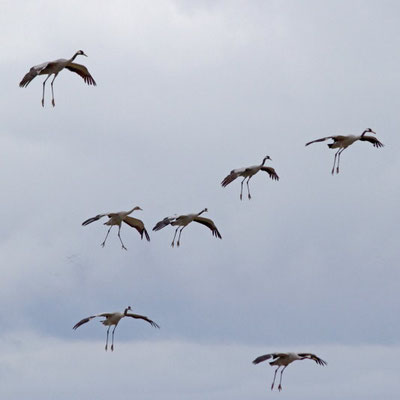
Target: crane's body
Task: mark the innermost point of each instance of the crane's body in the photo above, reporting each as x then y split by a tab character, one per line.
113	319
342	142
248	173
117	219
53	68
183	220
284	359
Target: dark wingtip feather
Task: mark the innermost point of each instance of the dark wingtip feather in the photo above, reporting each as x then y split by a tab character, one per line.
262	358
26	80
162	224
227	180
93	219
81	322
154	325
217	234
89	221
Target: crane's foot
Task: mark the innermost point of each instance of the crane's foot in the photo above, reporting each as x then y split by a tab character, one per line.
103	244
124	248
178	243
112	347
241	197
53	102
279	387
249	196
172	244
105	348
42	102
337	170
272	387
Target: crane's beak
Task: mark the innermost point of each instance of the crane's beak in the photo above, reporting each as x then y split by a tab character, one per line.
84	54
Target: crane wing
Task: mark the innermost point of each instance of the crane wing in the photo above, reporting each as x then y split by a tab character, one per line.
85	320
162	224
138	225
271	172
33	73
82	71
268	356
311	356
372	140
232	176
262	358
321	140
209	224
137	316
93	219
26	80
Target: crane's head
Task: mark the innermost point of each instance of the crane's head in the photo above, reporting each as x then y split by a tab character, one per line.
81	53
266	158
137	208
368	130
205	210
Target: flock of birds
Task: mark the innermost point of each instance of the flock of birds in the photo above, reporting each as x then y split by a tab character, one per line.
340	142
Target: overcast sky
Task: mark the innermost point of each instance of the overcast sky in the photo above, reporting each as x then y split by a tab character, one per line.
187	91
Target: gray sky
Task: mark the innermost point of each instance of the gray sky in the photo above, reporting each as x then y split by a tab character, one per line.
185	94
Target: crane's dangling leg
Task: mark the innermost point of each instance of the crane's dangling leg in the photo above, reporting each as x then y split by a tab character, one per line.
104	243
179	237
241	188
338	161
334	162
119	229
108	330
273	381
112	338
44	83
248	190
280	380
173	240
52	91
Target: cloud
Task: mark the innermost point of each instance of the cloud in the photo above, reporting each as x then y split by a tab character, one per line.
185	94
173	369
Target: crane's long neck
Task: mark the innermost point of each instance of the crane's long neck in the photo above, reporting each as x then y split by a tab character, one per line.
74	56
263	161
131	211
201	212
126	310
366	131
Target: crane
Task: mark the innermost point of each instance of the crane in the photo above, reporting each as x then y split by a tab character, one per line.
342	142
284	359
248	173
117	219
184	220
113	319
53	68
